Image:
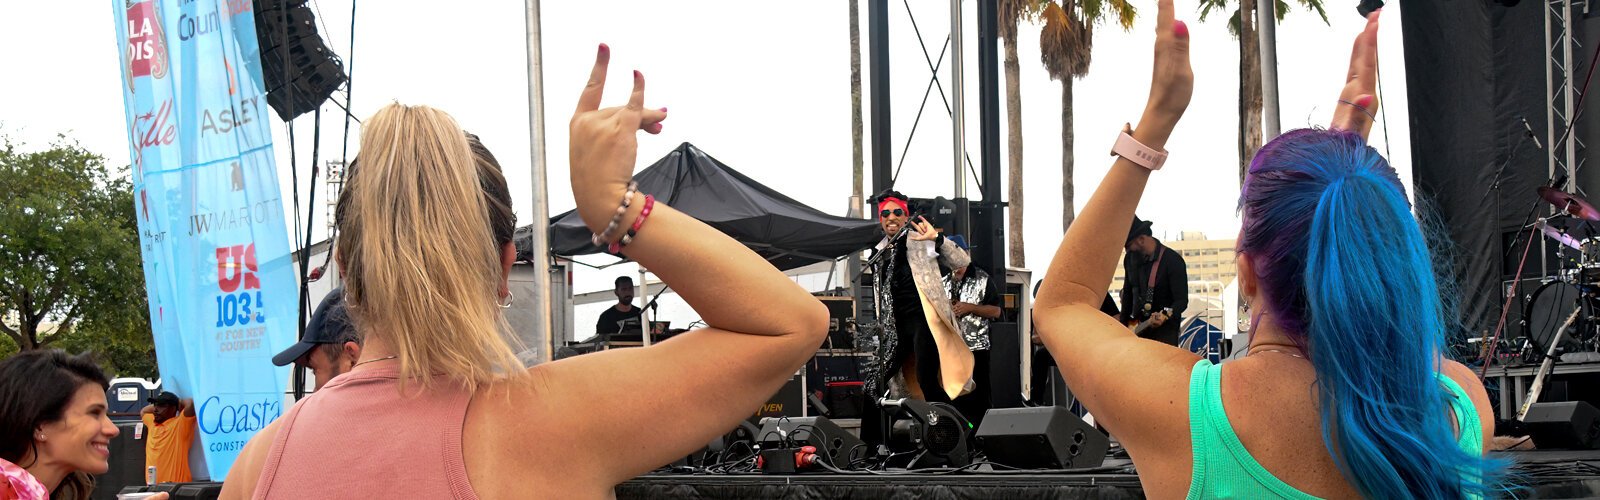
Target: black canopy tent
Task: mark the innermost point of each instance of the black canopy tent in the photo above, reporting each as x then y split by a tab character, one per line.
786	232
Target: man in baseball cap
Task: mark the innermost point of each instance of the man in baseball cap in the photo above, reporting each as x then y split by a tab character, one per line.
171	423
330	346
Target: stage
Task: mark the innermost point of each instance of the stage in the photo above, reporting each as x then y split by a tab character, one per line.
1546	474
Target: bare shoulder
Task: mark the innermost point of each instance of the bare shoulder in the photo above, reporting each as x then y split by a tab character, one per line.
241	481
517	433
1468	380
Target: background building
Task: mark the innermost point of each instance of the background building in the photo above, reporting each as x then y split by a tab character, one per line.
1211	263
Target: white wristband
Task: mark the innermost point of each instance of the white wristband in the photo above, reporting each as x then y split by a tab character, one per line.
1136	152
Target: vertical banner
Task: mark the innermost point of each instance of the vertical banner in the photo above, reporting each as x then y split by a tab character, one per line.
212	232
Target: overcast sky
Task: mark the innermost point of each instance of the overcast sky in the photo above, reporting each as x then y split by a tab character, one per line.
764	87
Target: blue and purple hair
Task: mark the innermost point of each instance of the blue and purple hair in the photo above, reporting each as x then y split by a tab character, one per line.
1345	271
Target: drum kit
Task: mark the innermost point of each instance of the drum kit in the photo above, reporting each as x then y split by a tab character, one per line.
1562	315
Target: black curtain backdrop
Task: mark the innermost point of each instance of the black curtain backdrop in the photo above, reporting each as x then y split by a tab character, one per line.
1474	70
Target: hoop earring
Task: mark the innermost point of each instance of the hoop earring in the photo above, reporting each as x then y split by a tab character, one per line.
509	298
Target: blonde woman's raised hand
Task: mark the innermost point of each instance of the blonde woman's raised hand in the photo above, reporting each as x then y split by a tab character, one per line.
604	145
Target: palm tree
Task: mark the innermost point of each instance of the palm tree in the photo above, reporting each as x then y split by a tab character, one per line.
1243	28
855	99
1012	13
1064	49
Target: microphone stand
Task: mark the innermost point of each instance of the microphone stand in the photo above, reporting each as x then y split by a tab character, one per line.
646	328
1516	281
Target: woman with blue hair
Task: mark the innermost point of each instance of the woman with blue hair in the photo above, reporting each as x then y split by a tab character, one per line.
1345	391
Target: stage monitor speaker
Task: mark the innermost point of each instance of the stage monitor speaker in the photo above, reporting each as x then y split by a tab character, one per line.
835	444
1565	425
1041	438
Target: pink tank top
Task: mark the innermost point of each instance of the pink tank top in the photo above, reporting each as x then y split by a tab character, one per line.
358	437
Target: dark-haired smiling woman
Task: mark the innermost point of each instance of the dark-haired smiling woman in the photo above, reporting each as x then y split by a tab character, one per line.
54	430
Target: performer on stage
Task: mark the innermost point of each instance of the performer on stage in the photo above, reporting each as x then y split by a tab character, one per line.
1155	285
611	321
905	340
976	302
1346	391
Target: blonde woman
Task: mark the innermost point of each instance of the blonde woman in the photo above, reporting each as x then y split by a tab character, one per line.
438	406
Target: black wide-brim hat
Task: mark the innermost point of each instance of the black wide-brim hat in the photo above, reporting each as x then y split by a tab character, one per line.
1139	228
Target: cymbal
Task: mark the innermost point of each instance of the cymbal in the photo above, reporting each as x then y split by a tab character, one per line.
1557	235
1571	203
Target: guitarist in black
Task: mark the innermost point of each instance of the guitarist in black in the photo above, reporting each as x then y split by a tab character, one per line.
1155	287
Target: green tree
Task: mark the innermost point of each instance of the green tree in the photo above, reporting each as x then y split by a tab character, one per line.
1064	48
70	273
1243	27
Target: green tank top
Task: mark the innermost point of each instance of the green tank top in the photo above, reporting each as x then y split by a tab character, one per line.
1224	469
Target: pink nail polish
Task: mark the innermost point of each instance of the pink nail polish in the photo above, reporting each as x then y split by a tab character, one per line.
1180	29
604	49
637	75
663	109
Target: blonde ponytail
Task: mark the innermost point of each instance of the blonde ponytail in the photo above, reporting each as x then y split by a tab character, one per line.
421	263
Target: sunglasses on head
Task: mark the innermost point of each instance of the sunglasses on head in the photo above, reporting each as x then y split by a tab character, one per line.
896	212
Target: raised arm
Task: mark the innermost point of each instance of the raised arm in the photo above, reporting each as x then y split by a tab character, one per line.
1103	361
623	412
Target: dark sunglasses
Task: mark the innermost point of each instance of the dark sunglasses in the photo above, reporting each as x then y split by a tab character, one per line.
896	212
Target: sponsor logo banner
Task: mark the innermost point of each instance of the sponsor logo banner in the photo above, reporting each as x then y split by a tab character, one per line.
211	229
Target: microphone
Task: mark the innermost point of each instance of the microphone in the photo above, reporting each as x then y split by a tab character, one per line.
1531	135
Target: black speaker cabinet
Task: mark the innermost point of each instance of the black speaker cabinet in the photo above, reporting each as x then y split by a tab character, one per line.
1569	425
790	401
127	462
833	443
1006	349
841	322
1041	438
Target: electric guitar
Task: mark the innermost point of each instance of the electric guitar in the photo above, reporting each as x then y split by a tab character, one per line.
1140	326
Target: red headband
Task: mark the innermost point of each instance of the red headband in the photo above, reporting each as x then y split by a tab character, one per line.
890	199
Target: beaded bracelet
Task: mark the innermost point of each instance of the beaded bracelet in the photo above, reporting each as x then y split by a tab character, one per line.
649	204
599	239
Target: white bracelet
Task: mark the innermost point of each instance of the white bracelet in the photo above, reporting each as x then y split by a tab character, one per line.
1136	152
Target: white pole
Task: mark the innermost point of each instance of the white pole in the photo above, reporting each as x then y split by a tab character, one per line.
957	123
1267	29
644	294
539	299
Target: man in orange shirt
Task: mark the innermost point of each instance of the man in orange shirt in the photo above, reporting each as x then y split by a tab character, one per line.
171	425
